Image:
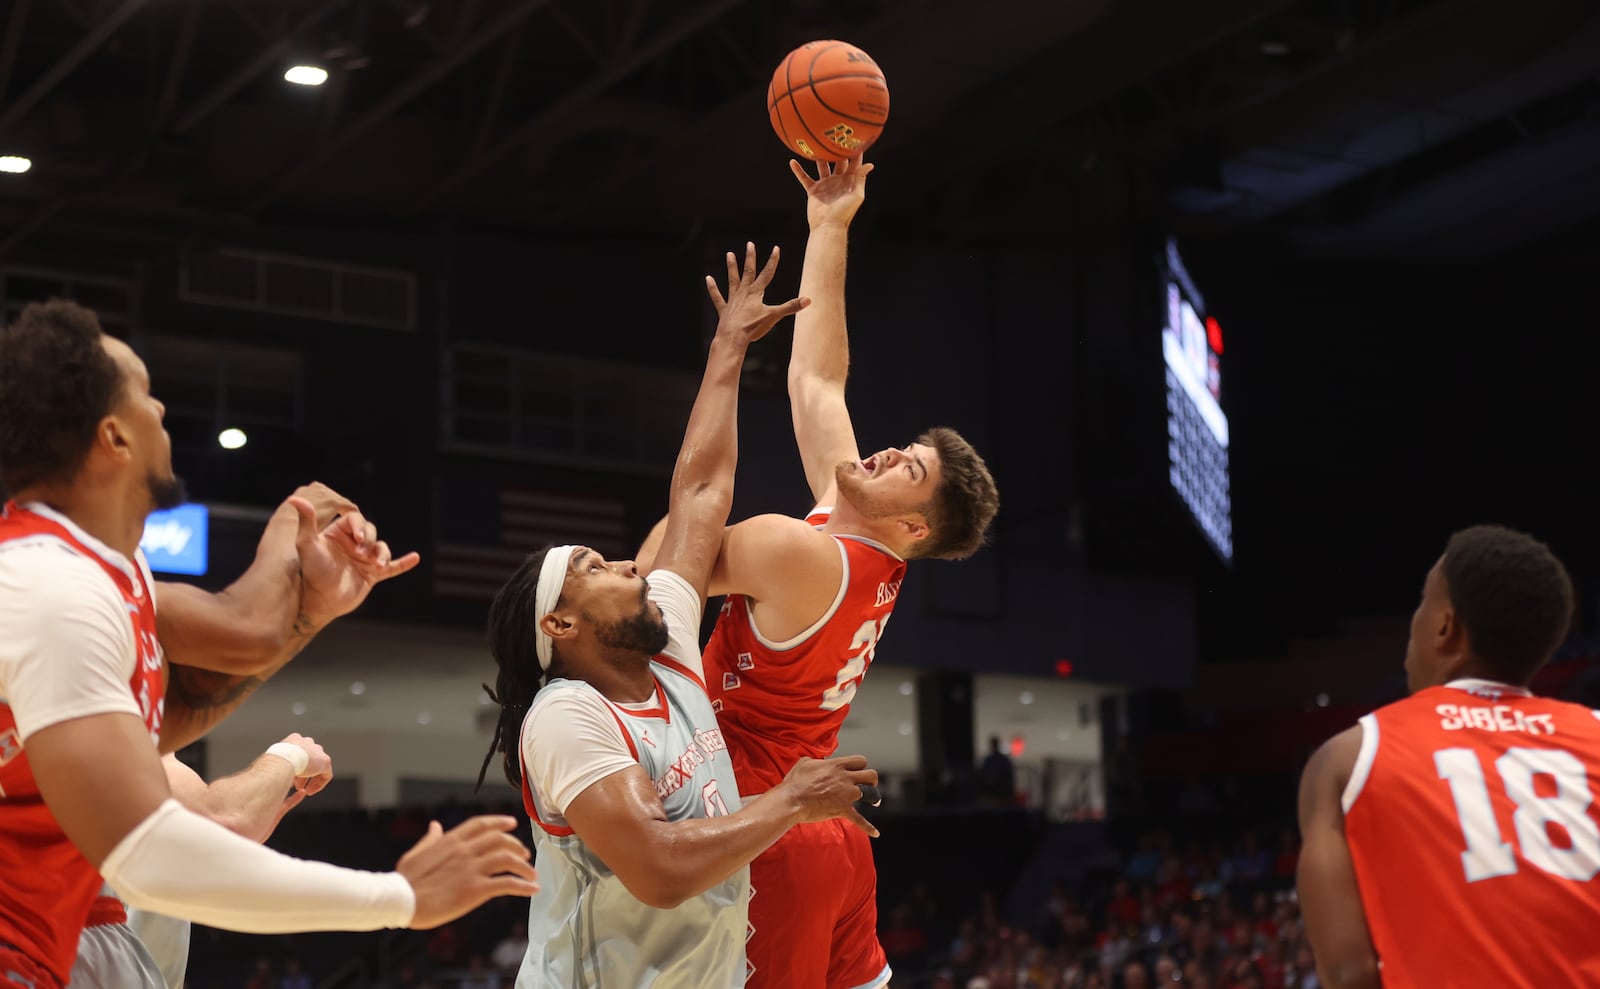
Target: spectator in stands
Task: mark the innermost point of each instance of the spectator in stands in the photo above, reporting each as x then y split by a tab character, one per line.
261	978
997	777
904	941
478	975
1135	976
294	977
507	955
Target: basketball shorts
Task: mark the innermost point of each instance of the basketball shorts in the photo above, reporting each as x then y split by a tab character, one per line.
111	956
18	971
814	912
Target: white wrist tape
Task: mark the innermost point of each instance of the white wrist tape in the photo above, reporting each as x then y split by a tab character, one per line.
183	865
293	754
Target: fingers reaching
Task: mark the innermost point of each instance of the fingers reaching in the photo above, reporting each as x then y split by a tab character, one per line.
716	294
854	817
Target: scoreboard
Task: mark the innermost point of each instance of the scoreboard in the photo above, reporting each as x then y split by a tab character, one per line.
1197	428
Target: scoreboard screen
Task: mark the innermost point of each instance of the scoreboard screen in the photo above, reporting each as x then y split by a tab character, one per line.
1197	428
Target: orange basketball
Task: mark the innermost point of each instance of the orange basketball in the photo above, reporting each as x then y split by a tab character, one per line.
828	101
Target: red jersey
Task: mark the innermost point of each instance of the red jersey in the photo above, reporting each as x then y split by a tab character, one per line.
780	701
46	886
1472	823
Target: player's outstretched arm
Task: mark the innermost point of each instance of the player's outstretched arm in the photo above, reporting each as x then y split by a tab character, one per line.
663	863
702	482
820	360
251	623
1336	922
310	569
250	803
104	784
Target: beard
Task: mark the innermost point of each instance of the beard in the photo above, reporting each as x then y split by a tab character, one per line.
852	482
644	632
167	492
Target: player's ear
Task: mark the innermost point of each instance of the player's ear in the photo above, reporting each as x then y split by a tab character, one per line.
914	527
558	626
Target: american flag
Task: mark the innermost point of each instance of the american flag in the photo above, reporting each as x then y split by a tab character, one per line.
487	532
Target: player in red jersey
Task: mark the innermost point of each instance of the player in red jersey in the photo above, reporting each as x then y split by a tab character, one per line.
807	602
82	791
1470	805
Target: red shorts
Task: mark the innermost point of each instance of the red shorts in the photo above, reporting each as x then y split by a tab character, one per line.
18	971
814	912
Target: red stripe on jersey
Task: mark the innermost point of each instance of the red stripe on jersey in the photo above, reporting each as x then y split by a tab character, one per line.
680	669
532	807
633	749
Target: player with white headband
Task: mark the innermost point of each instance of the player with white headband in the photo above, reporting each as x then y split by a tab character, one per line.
643	846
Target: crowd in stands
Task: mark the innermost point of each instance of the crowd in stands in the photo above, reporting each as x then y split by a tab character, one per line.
1211	912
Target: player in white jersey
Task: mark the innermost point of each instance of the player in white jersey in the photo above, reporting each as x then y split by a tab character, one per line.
137	949
643	846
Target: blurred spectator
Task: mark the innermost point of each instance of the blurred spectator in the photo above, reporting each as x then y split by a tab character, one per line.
294	977
1134	976
997	777
261	977
905	941
508	954
478	975
445	947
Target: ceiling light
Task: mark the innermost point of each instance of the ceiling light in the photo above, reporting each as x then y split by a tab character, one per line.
905	728
306	75
906	689
358	688
15	164
1026	697
298	708
232	439
423	718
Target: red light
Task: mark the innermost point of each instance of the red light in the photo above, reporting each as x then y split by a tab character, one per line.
1063	667
1214	333
1018	744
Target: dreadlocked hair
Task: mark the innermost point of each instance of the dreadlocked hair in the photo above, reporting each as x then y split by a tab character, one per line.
513	639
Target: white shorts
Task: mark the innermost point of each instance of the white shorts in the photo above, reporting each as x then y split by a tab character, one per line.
111	956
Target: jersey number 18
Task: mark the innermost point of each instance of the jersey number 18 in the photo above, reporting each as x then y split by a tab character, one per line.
1487	855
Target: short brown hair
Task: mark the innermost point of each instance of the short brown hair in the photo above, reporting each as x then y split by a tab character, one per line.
964	504
56	383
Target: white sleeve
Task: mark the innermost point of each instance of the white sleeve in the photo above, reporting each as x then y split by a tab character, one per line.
180	864
681	606
570	742
66	640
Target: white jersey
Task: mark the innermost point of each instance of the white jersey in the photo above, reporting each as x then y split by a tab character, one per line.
585	930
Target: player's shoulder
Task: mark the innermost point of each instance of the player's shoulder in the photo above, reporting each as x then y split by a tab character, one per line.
45	575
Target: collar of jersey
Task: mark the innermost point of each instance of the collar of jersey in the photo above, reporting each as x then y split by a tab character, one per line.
100	549
1473	685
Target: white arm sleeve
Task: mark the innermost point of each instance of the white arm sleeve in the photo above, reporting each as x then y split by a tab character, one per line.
66	641
570	742
180	864
681	607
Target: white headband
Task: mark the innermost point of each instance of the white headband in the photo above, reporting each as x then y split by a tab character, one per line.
552	577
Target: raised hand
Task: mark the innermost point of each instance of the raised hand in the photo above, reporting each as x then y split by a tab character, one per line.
823	789
837	191
455	872
340	561
744	314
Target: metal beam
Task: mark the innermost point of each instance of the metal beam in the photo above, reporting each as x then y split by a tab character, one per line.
76	57
504	70
573	99
178	66
268	57
8	53
417	85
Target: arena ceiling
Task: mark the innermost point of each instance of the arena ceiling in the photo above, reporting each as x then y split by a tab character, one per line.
1410	128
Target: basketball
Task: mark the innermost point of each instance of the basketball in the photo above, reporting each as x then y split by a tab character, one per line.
828	101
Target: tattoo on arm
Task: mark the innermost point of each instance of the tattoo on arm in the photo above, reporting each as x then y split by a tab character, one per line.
196	699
